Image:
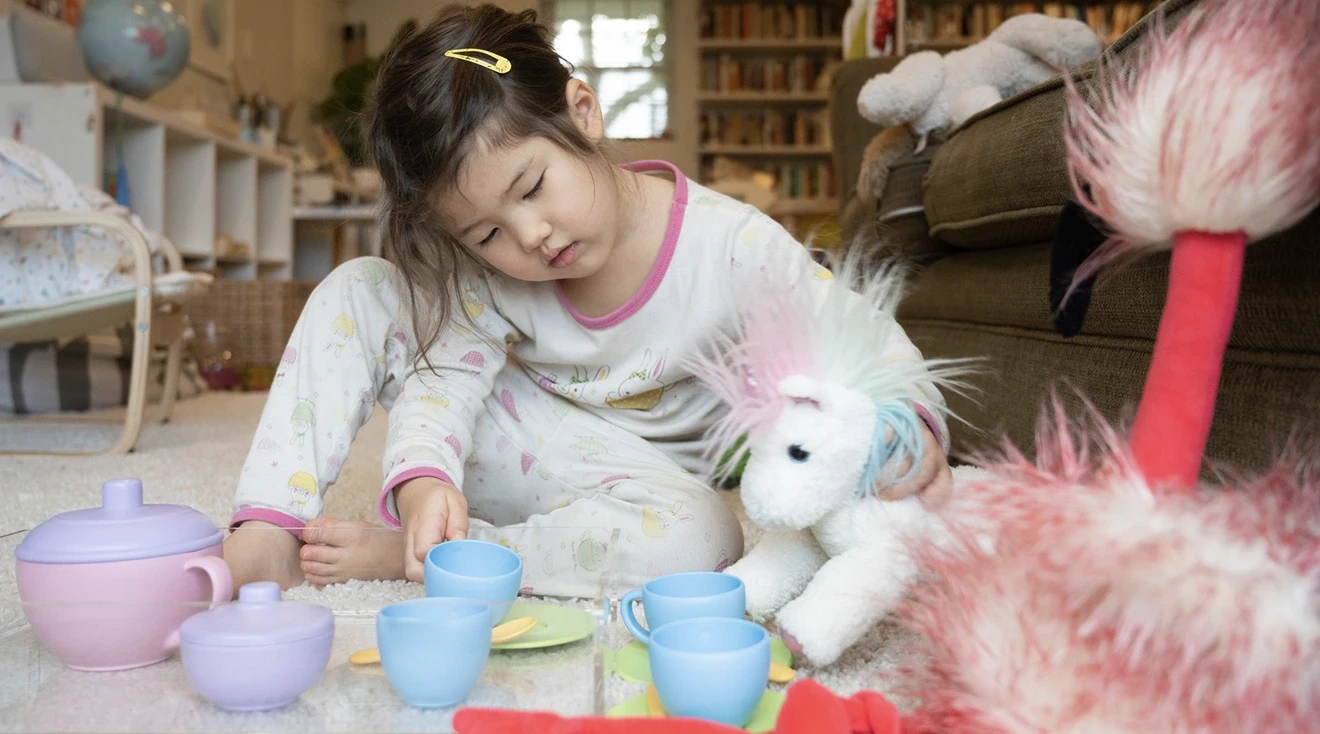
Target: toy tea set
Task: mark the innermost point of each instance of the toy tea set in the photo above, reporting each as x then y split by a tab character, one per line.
126	584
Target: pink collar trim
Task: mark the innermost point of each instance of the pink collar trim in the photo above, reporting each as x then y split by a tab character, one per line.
661	265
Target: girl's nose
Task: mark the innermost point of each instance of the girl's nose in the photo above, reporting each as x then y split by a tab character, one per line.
534	234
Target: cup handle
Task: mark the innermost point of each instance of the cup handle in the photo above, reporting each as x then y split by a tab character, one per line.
630	619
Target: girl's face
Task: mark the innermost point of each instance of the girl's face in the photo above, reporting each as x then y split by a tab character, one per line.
534	211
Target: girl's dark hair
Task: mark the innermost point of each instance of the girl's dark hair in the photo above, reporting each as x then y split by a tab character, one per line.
429	110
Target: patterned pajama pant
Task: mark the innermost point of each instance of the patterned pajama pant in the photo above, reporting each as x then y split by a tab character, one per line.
554	480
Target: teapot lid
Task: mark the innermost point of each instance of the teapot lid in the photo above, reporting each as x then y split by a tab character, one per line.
121	529
257	619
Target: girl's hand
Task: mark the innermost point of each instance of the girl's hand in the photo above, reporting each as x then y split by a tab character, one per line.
432	512
933	481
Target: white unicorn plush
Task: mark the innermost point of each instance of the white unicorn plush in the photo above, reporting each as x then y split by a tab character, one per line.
829	417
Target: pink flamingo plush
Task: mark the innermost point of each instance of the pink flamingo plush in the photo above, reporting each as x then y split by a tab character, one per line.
1103	588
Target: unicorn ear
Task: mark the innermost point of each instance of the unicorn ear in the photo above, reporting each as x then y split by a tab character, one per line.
804	389
798	386
826	397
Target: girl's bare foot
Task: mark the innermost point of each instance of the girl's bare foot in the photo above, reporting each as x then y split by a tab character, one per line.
261	551
338	550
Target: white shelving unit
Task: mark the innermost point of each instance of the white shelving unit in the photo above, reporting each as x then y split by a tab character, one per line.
186	181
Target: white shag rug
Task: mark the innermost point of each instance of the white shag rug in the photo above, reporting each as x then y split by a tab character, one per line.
195	459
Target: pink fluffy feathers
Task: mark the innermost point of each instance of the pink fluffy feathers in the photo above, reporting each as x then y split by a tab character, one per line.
1210	127
1106	607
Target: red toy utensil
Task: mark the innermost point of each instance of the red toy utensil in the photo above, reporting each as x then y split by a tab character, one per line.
810	708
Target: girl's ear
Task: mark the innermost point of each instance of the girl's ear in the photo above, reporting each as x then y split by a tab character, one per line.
585	109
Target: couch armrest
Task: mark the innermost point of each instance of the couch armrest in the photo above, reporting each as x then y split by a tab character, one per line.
849	131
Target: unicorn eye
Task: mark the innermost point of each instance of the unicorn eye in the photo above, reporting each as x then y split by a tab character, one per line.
797	453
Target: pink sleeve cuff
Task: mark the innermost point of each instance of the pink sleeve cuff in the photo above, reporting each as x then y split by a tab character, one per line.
274	517
383	505
933	425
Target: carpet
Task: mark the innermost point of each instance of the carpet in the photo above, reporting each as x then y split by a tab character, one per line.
195	459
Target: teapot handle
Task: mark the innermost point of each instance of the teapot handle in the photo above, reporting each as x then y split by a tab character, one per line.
222	580
222	586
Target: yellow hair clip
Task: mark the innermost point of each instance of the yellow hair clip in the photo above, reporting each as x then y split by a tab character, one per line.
501	65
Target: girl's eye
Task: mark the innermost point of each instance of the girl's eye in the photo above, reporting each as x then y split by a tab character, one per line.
537	188
798	454
489	237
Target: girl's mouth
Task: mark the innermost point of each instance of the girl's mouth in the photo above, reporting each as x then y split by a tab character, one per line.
564	257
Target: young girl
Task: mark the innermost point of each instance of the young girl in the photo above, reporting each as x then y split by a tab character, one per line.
507	224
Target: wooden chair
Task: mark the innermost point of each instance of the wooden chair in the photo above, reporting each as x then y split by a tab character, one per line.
153	304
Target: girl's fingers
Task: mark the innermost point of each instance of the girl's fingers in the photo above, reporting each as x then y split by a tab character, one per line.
412	567
932	460
940	489
457	526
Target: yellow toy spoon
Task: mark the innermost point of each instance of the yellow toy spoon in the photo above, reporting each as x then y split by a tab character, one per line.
653	705
781	673
507	632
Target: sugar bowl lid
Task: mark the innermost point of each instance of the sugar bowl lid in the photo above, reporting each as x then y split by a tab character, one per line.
121	529
257	619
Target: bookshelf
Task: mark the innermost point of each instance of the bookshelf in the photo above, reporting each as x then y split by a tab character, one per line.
763	98
947	25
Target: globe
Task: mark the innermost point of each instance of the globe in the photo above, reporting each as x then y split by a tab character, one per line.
133	46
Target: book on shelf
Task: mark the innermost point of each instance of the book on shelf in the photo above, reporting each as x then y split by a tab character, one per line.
793	181
727	73
970	22
771	20
782	128
804	180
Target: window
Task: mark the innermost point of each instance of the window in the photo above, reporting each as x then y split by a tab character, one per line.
618	47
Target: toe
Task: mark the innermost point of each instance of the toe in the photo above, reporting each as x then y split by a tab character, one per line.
318	573
322	553
315	531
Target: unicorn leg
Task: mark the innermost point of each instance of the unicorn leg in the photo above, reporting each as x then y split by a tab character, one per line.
848	596
777	569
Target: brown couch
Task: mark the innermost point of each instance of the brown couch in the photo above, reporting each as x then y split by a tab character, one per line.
979	212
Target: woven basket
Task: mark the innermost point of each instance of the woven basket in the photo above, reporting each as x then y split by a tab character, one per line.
256	317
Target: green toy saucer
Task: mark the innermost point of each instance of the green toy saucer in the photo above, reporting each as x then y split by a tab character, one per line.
555	625
632	663
763	718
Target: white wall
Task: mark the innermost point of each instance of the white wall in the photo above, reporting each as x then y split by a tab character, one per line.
287	49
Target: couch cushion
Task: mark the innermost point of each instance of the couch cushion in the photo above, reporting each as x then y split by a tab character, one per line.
1001	178
1263	398
1010	287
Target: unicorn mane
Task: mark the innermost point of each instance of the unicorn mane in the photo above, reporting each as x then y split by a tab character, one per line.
838	331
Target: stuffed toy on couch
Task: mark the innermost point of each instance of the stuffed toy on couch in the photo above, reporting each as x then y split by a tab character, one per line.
931	95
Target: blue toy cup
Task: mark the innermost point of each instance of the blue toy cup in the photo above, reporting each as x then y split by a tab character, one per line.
684	596
433	650
475	569
712	668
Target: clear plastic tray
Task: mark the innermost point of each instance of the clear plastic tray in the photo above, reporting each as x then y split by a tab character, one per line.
39	693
